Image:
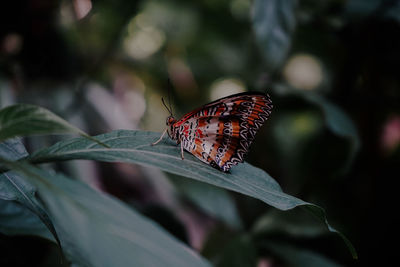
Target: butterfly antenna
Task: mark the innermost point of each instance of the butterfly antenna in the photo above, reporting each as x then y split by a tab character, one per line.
169	95
162	99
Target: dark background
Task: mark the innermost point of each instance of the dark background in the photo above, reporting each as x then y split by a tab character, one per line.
108	69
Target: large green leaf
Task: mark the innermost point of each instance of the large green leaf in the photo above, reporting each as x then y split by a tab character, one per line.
26	120
21	212
134	147
213	200
99	230
273	24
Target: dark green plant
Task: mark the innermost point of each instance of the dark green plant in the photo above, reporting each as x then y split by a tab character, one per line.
86	222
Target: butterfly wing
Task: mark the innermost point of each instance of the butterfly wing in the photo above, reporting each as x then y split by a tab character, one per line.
221	132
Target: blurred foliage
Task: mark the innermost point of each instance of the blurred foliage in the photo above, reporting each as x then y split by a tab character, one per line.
331	67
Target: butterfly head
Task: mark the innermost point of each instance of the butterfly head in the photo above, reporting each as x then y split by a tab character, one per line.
170	121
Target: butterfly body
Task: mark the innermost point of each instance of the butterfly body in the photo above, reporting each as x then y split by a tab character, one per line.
221	132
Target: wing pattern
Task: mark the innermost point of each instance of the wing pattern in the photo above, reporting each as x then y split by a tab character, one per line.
220	133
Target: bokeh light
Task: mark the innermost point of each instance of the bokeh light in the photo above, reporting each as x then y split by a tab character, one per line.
293	128
82	8
144	38
226	86
182	77
391	134
129	90
240	8
12	43
303	71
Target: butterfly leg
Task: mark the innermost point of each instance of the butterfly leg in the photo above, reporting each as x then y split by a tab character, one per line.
181	149
158	141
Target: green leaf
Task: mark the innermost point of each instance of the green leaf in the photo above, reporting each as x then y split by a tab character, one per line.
17	191
16	219
215	201
134	147
292	223
99	230
26	120
321	215
273	24
338	122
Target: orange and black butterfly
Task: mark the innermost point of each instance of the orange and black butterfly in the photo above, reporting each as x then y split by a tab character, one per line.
221	132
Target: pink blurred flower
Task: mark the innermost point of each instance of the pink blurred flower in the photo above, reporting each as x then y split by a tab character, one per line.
391	134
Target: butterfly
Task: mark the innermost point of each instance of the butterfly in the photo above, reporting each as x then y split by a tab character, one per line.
221	132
